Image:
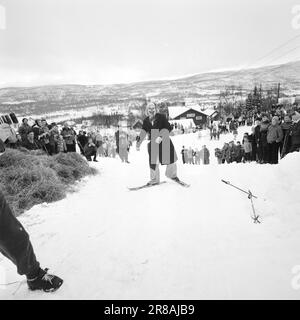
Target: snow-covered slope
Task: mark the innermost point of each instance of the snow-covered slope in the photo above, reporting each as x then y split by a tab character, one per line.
169	242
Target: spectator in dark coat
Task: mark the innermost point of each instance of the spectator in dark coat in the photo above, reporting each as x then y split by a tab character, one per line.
183	151
90	150
24	129
37	130
295	133
232	151
53	138
82	140
225	153
30	143
117	137
70	138
218	154
285	143
256	140
253	144
239	152
263	140
44	137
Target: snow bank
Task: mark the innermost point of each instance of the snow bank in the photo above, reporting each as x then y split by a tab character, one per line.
169	242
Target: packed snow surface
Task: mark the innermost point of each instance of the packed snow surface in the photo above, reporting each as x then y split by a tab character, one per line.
170	242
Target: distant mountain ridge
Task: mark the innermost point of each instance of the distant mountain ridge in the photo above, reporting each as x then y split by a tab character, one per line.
206	86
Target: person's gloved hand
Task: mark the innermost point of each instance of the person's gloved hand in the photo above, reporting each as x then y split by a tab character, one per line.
158	140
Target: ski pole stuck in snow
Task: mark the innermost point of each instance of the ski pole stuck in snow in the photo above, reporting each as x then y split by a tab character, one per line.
247	192
255	217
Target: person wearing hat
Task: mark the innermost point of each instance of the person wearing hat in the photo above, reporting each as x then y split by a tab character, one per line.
16	246
30	143
90	150
69	136
274	137
295	133
263	142
37	130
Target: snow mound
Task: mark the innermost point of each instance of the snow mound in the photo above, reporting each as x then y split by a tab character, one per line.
170	242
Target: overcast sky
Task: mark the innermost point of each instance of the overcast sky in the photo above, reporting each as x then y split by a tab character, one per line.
113	41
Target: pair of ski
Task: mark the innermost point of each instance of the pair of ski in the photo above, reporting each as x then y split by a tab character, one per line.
149	185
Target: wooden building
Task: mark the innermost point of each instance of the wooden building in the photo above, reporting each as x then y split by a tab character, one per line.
200	117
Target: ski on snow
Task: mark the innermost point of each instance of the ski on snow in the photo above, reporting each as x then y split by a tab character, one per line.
144	186
183	184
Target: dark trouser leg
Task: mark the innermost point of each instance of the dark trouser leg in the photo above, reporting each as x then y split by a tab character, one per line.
53	149
271	147
71	148
259	153
265	154
49	149
15	243
271	153
254	152
274	152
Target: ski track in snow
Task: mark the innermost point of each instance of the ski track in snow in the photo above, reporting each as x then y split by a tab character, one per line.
169	242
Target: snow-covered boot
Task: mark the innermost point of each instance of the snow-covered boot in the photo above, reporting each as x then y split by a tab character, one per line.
44	281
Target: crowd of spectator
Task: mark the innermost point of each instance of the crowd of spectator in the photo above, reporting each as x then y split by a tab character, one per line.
52	140
273	136
47	137
178	126
190	156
